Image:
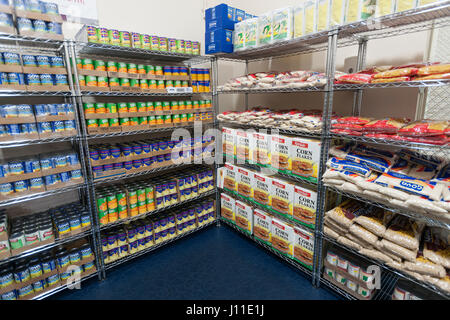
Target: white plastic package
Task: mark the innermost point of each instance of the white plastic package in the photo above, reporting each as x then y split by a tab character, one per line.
310	17
251	31
265	22
282	25
323	14
385	7
337	16
403	5
239	36
299	20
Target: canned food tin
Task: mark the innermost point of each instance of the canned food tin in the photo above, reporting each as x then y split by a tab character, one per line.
132	68
82	80
132	107
163	44
124	82
24	24
111	66
159	70
125	40
122	107
143	84
172	45
60	79
46	79
114	82
150	107
56	62
160	84
195	47
111	108
149	69
102	208
102	82
124	122
29	61
180	46
39	26
99	65
145	41
158	106
152	84
92	34
136	40
92	123
14	78
121	67
114	37
134	121
154	41
134	83
151	120
103	123
102	35
188	47
91	81
88	64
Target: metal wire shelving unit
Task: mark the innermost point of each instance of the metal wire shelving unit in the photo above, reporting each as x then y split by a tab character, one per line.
358	34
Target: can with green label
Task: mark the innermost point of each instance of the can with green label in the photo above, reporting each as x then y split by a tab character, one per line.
134	83
160	84
114	37
158	105
202	104
100	107
111	107
87	64
159	70
132	68
103	123
184	84
99	65
177	84
174	105
81	80
151	120
149	69
188	104
145	41
142	107
208	104
102	209
150	106
143	84
122	204
79	63
176	118
125	39
152	84
190	117
113	82
159	120
122	106
141	69
195	104
166	105
167	119
113	122
169	84
89	108
142	120
124	121
132	107
91	123
134	121
180	46
124	82
121	67
102	81
91	81
111	66
113	213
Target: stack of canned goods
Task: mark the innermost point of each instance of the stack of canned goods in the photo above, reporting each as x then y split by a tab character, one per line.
25	24
200	80
6	19
70	217
121	201
41	164
37	6
141	41
30	230
204	116
147	232
4	228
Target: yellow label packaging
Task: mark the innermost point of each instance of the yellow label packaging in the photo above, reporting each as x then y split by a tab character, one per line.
299	21
310	17
282	196
261	189
303	246
282	237
229	181
244	182
262	225
305	157
305	205
385	7
337	16
421	3
323	14
358	10
403	5
244	216
260	148
227	208
279	154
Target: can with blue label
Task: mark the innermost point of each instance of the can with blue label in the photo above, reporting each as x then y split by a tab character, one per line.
15	78
53	109
29	60
6	20
10	295
23	128
56	62
41	110
60	160
36	183
32	79
6	189
69	125
44	127
51	8
46	79
54	28
16	167
60	79
24	24
39	26
53	279
49	180
24	110
11	58
46	163
43	61
31	165
72	158
20	186
58	126
33	5
4	170
65	177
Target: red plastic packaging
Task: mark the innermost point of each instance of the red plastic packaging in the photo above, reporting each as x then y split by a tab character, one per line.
397	79
395	73
346	132
387	125
355	120
356	78
424	128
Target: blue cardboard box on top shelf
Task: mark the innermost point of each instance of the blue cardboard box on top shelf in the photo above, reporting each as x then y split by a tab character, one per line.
223	16
219	40
216	47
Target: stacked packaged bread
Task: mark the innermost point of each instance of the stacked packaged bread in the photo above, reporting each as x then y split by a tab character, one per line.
403	179
397	241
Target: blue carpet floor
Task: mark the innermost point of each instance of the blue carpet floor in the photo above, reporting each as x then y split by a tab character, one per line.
216	263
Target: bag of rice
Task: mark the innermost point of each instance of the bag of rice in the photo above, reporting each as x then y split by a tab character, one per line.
349	243
350	187
425	267
363	243
335	227
400	251
375	254
405	232
375	220
330	233
395	264
414	274
420	203
444	283
344	214
436	246
362	233
345	165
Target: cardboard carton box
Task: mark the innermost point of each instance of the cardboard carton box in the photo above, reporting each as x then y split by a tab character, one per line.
303	246
282	196
261	189
260	148
244	182
244	216
262	226
305	158
305	205
282	237
227	208
279	155
229	181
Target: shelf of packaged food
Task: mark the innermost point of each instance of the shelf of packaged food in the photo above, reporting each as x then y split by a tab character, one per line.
65	286
433	221
435	149
415	20
100	49
274	90
43	93
153	212
336	289
27	142
394	272
141	173
157	246
141	94
404	84
57	242
292	131
278	173
154	130
255	204
291	262
35	196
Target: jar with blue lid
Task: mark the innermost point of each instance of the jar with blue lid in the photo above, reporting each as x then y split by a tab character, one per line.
75	256
6	20
72	159
85	219
6	277
48	264
75	222
35	268
24	24
76	174
62	259
85	251
90	265
11	58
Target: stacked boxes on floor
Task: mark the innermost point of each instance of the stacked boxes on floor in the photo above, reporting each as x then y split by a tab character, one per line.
219	27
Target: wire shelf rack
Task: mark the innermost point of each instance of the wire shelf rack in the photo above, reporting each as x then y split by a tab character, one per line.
58	241
157	246
141	94
291	262
21	40
404	84
274	90
41	195
429	220
21	143
43	93
391	270
259	206
154	212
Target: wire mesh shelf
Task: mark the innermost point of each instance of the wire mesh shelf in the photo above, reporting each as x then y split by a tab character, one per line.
151	213
429	220
58	241
391	270
274	90
43	93
22	143
142	94
21	40
404	84
157	246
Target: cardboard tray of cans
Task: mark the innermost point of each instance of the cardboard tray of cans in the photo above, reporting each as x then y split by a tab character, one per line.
45	35
92	88
347	275
6	9
13	87
17	120
5	254
344	288
62	117
94	73
16	286
22	194
190	110
175	78
135	128
42	173
107	115
123	75
48	88
39	16
63	134
151	77
95	163
20	137
10	30
134	114
35	294
79	263
112	173
125	89
65	184
11	68
73	233
104	130
40	70
15	252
